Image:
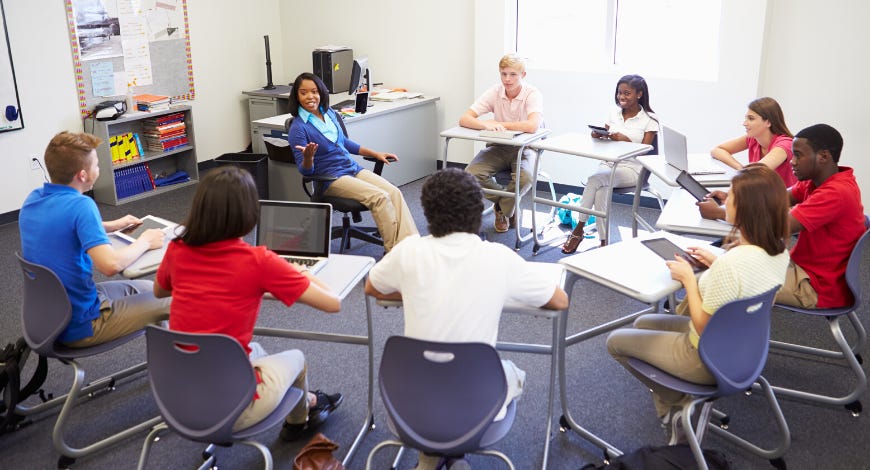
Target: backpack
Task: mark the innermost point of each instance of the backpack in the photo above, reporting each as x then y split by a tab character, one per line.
12	359
678	457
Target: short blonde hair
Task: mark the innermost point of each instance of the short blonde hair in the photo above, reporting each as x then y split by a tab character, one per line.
512	61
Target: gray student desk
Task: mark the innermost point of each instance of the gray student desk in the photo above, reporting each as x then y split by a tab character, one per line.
583	145
521	142
630	268
657	165
558	319
681	215
404	127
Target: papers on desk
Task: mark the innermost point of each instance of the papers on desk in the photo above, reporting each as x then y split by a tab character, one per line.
395	95
506	134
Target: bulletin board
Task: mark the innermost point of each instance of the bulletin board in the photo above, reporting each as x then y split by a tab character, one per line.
129	46
10	106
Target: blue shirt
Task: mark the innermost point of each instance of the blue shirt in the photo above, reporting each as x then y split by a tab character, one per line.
58	225
332	157
326	126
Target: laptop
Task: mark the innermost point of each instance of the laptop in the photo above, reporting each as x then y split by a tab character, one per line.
673	144
299	232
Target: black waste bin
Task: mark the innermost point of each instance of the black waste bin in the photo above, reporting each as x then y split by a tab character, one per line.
255	163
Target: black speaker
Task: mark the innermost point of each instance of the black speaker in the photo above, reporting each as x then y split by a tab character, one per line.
334	68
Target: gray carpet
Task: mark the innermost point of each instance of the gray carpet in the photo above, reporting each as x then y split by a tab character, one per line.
602	396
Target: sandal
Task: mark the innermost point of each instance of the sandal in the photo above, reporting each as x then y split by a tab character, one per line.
571	244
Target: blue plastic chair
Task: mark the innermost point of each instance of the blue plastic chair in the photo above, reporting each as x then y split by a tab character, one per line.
734	348
45	314
441	398
202	383
851	353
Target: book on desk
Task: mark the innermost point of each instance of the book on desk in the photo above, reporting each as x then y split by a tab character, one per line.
506	134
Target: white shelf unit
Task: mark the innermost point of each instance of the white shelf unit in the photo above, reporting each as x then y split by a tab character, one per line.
160	163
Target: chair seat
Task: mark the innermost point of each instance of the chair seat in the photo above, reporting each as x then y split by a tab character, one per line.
499	429
291	398
821	312
61	351
343	204
674	383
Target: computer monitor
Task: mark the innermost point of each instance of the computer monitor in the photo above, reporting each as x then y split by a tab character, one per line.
359	75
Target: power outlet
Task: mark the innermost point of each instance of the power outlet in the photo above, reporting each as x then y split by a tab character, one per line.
34	164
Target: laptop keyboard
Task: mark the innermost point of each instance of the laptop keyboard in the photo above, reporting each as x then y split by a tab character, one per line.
303	261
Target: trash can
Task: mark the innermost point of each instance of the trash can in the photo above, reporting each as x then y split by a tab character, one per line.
255	163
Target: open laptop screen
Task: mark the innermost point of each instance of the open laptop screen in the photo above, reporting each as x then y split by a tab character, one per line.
295	228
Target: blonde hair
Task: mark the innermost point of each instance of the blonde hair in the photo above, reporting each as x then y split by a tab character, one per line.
512	61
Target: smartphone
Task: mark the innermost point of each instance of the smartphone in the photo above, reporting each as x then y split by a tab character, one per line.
667	249
599	129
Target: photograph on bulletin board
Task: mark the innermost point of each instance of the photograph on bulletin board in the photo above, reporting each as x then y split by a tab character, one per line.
10	106
129	47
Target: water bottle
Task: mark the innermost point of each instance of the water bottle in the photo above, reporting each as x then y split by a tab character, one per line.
590	229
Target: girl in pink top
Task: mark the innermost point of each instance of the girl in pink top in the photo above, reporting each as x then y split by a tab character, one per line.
767	139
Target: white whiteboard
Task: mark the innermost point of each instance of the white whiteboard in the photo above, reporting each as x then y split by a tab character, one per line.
10	107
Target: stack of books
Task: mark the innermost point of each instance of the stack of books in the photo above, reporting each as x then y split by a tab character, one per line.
125	147
164	133
148	102
133	179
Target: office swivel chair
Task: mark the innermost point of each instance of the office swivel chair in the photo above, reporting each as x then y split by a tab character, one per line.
314	186
45	314
734	348
644	187
441	398
186	371
850	353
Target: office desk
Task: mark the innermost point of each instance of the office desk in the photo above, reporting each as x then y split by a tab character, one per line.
405	127
681	215
583	145
557	273
342	274
657	165
520	142
631	269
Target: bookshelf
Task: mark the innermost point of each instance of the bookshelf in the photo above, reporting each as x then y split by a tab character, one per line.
112	185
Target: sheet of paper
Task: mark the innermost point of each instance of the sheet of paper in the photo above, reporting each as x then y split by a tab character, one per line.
103	79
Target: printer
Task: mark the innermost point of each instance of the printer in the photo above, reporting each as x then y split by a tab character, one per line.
333	64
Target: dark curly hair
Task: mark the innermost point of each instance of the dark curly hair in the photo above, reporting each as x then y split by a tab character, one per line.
452	202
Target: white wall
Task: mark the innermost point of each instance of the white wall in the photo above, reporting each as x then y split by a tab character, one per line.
815	65
228	57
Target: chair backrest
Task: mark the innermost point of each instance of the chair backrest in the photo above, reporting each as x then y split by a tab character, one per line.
735	341
441	397
853	268
201	382
45	310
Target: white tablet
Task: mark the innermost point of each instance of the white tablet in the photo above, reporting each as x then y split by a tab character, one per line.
132	232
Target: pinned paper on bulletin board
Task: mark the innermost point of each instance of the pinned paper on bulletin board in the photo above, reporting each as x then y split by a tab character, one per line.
10	106
129	47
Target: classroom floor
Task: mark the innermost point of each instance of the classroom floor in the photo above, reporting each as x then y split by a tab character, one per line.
601	395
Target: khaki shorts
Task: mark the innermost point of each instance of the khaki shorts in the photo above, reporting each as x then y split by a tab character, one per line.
797	290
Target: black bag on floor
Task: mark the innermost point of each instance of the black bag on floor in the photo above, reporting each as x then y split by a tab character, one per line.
12	359
677	457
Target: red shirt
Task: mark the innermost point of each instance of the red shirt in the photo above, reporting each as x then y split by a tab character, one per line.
217	288
833	220
784	169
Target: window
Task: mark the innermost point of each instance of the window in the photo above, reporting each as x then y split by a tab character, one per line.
661	38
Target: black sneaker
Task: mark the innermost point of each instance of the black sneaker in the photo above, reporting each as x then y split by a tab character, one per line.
326	404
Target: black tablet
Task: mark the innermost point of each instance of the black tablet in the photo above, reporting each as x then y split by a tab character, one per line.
692	185
599	129
667	249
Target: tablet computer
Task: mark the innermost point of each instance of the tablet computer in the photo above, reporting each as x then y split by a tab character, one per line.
667	249
692	185
599	129
132	232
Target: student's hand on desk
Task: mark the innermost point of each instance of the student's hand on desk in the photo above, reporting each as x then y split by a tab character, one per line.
154	237
702	255
124	222
493	126
710	209
619	136
681	270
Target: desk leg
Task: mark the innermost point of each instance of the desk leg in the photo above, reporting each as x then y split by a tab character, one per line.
369	423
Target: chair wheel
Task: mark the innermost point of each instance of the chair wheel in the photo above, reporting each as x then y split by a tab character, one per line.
779	463
855	407
563	424
859	358
64	462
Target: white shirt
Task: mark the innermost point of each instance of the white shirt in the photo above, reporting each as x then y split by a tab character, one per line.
634	128
454	287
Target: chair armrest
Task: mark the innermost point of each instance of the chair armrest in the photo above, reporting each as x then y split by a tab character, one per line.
315	193
379	165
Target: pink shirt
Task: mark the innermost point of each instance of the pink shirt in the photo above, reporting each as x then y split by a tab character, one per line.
495	100
783	170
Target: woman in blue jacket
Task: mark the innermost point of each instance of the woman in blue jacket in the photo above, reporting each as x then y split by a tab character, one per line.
320	147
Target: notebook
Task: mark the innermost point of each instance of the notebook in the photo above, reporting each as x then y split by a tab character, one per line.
299	232
673	145
505	134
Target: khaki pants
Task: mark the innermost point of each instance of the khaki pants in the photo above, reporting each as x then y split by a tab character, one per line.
126	307
278	372
495	158
797	290
384	200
